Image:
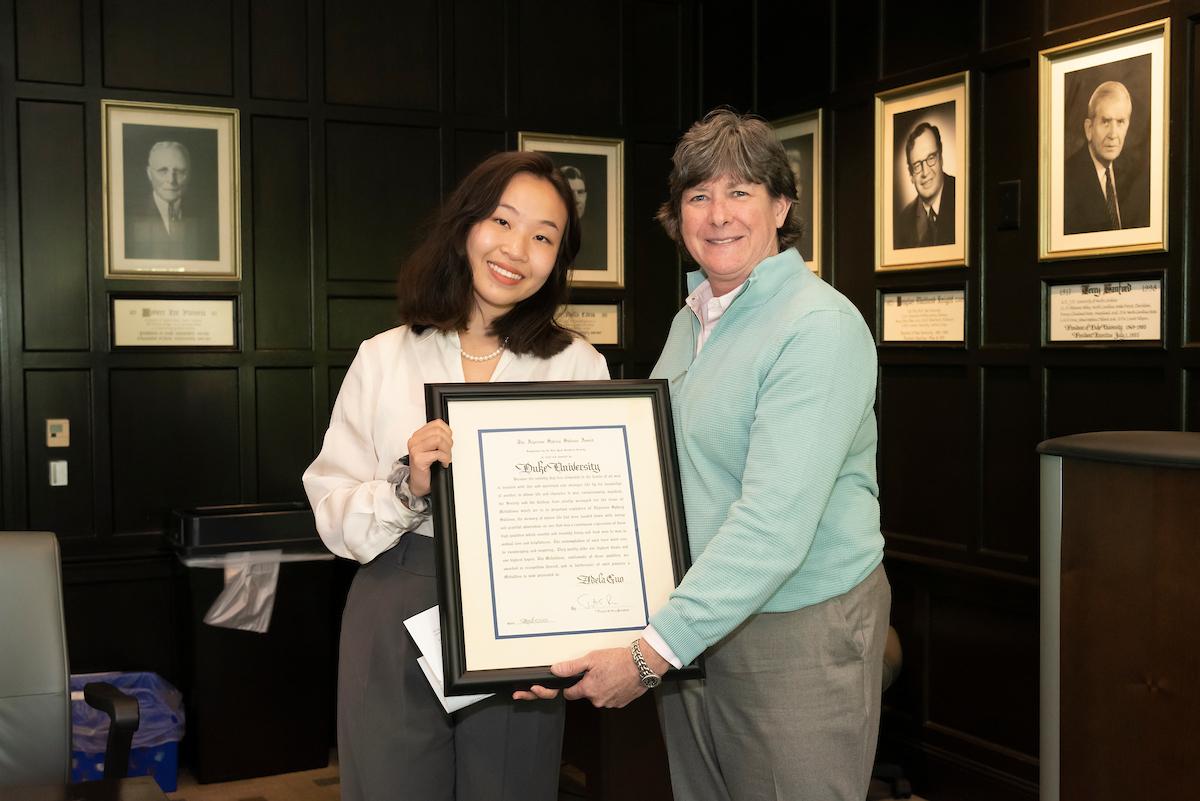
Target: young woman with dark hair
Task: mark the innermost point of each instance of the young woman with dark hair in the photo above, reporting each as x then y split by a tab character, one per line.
477	302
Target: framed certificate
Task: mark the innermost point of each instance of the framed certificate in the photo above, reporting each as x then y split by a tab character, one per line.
559	525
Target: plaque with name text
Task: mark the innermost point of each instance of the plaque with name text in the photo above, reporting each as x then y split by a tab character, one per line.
1105	312
937	316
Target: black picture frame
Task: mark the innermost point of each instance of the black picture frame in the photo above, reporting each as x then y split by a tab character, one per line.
442	401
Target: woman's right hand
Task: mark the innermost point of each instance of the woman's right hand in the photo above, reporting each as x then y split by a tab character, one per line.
430	443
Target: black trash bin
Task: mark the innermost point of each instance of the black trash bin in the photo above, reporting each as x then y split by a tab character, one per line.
257	704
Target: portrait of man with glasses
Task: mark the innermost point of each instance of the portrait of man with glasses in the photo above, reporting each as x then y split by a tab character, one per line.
928	219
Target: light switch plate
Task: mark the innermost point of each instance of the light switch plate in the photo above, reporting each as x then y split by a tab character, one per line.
58	433
58	472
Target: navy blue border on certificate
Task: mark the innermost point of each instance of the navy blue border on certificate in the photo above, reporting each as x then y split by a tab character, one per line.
487	527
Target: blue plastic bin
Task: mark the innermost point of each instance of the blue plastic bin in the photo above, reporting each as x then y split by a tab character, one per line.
155	749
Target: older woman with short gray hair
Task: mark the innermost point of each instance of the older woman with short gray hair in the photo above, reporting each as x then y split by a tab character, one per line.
772	375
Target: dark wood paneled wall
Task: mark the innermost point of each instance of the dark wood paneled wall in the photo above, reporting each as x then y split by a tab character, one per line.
958	426
358	116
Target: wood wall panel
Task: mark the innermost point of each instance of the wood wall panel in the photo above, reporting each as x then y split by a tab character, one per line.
352	320
654	74
480	57
930	33
281	197
279	49
1009	154
727	72
1192	408
55	394
983	669
133	596
49	39
794	68
173	47
1007	21
853	187
284	424
382	182
653	266
379	53
856	42
472	147
1011	432
1065	13
928	492
176	443
562	80
1110	399
54	218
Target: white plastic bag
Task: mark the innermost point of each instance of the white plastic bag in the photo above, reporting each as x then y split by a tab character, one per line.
248	599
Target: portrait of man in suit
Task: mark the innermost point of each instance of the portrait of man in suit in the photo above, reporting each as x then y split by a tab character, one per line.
929	218
160	221
585	175
799	152
1106	187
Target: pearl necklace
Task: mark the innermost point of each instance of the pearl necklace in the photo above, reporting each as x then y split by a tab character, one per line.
486	358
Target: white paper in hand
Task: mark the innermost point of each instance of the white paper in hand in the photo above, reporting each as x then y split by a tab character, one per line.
426	630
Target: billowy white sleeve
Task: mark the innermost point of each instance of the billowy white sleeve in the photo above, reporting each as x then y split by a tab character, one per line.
358	515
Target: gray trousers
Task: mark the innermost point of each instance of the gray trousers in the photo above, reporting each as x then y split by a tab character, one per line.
789	706
395	742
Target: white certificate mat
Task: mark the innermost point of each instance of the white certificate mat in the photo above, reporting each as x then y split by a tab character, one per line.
559	524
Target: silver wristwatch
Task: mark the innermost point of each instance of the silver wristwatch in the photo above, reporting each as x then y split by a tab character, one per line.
398	478
649	678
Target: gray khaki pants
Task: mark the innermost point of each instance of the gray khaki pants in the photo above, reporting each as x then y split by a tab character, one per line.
395	742
789	707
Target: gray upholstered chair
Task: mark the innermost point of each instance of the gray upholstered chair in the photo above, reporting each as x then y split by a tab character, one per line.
35	709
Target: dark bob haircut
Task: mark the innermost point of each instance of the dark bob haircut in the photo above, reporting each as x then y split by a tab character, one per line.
741	145
436	288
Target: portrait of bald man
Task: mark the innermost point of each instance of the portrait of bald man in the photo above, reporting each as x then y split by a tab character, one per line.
1106	187
161	222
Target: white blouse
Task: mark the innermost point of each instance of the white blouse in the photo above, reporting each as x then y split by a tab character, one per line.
380	405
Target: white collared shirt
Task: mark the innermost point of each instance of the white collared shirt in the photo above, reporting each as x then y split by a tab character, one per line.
380	405
708	309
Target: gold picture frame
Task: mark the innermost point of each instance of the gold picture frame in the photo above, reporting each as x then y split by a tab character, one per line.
1074	219
595	167
801	137
911	226
171	177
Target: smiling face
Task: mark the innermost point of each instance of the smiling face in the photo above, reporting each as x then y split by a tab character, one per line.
1106	129
512	252
927	178
168	173
728	226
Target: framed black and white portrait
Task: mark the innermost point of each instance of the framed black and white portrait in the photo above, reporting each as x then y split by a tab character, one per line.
801	138
170	190
593	167
1103	110
922	174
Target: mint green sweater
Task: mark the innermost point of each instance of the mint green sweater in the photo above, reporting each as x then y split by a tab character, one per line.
775	429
